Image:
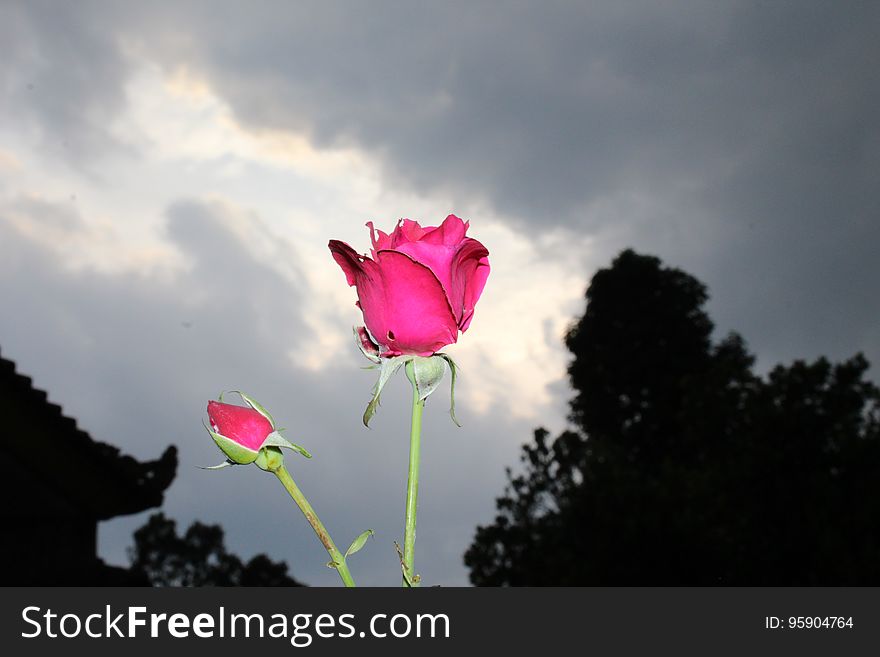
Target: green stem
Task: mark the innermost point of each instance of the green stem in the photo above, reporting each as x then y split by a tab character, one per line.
323	535
412	482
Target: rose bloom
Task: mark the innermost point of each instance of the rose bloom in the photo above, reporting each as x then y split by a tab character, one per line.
240	424
420	287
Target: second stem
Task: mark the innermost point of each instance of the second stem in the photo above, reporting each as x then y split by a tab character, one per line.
412	482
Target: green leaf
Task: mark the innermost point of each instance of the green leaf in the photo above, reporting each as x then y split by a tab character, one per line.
275	439
359	542
238	454
256	406
389	367
454	369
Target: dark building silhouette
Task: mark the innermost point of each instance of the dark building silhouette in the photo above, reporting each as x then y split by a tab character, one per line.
57	483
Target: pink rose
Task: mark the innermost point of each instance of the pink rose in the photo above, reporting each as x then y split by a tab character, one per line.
239	424
420	288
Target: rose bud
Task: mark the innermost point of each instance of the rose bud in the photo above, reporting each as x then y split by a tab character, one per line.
247	434
420	287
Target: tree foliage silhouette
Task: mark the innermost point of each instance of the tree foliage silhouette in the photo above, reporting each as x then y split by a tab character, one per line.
685	467
198	558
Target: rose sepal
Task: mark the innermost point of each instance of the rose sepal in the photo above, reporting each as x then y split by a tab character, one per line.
237	454
269	459
367	344
254	405
428	372
453	370
388	367
275	439
227	463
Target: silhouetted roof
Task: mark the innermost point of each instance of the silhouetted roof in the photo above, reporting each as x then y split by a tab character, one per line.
93	476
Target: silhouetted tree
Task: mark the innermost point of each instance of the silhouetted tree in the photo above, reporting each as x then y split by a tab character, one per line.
198	558
683	466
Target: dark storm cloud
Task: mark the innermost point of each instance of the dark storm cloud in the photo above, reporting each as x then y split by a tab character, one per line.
737	140
62	75
763	110
543	107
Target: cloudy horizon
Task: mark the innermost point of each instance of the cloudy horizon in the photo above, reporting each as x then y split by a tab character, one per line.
171	173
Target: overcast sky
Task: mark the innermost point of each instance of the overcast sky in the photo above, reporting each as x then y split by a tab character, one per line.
170	174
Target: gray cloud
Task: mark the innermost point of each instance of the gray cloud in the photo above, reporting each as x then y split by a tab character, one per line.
737	140
62	75
544	107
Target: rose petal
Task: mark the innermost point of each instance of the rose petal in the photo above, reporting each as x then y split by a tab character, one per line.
383	241
470	269
419	319
364	274
242	425
407	230
347	258
437	258
436	250
450	233
404	304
